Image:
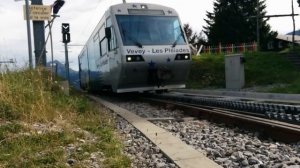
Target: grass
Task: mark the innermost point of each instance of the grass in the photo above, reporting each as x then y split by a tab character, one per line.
261	69
33	151
207	71
269	68
291	88
290	50
38	123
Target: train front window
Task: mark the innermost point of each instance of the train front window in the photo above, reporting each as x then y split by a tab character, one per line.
142	30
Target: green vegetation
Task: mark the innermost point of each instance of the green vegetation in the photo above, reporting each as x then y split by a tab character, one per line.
207	71
290	50
269	68
232	22
262	69
42	127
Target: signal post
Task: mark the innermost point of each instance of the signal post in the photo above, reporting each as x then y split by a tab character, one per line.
66	38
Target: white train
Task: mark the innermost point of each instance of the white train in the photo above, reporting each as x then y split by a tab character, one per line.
136	47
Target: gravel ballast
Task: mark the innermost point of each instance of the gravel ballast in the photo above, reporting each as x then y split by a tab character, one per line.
140	150
229	147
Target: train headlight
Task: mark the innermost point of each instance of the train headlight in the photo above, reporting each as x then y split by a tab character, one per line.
134	58
182	57
144	6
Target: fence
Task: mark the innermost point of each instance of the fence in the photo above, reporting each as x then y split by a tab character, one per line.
231	48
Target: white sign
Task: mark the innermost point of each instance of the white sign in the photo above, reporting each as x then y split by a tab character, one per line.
157	51
38	12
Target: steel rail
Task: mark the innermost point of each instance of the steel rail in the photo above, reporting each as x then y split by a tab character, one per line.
280	112
279	131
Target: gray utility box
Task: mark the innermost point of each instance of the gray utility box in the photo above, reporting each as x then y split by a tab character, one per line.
234	71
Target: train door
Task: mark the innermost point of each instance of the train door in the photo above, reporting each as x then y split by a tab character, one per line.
102	62
112	51
83	71
111	42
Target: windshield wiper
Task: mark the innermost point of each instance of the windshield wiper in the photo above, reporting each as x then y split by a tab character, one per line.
135	41
177	38
175	42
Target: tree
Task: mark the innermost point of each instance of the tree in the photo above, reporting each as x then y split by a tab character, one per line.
194	38
234	21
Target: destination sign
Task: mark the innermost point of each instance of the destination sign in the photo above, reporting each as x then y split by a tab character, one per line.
157	51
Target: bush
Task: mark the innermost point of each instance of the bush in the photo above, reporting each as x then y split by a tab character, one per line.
261	69
207	71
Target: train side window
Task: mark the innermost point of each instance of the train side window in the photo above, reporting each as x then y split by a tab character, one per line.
112	42
102	32
103	41
103	46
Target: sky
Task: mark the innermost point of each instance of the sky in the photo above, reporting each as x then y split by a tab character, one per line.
83	16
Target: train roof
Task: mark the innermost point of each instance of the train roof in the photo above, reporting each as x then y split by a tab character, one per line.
142	9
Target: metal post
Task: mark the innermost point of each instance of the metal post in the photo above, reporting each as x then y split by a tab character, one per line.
294	27
51	43
124	1
257	26
67	63
28	34
39	38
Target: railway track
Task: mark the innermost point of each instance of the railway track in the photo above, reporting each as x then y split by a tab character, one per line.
168	144
284	112
280	131
229	144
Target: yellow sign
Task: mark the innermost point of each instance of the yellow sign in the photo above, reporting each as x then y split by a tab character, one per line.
38	12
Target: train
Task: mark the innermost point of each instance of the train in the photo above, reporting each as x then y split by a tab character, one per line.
136	47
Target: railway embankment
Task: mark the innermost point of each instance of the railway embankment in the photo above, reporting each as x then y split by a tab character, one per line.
40	126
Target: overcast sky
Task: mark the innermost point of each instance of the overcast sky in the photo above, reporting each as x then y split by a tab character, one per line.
83	15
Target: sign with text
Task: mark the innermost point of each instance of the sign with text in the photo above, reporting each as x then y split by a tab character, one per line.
38	12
